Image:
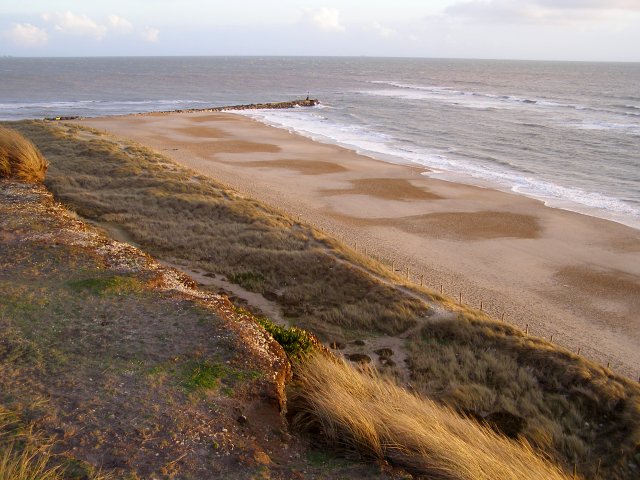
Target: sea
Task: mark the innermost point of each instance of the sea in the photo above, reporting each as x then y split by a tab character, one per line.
566	133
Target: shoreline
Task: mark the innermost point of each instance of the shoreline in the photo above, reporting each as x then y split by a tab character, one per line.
463	178
564	274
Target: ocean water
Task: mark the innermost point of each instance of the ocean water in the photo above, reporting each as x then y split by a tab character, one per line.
567	133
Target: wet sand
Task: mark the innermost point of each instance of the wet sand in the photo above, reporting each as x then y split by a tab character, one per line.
564	274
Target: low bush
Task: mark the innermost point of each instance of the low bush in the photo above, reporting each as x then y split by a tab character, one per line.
296	342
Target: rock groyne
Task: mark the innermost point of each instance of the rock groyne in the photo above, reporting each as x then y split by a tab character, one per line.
308	102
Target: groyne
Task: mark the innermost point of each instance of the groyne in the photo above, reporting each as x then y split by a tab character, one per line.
307	102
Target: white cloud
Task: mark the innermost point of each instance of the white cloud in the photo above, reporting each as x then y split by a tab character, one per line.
592	4
119	24
327	19
382	30
27	35
151	35
542	11
69	22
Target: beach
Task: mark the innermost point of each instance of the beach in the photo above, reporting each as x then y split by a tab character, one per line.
550	271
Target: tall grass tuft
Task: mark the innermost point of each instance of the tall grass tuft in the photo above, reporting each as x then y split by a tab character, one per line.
28	463
19	158
372	415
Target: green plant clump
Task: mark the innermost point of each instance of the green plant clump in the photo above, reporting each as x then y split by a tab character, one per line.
204	375
295	341
113	284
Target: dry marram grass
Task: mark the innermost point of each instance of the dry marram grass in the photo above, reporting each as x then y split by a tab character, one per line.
19	158
376	417
24	455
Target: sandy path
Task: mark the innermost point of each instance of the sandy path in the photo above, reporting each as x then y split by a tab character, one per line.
567	275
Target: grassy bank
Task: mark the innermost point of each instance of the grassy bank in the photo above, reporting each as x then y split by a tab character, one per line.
573	410
372	415
112	366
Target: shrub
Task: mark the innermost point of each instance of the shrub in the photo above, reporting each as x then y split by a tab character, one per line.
295	341
19	158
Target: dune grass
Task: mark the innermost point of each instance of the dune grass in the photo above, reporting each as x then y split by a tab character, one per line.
27	463
20	457
526	387
175	214
373	416
19	158
573	410
25	455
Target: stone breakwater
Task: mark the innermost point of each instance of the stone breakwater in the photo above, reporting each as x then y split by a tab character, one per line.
308	102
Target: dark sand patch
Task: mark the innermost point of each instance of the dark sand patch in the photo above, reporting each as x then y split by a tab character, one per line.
385	188
236	146
610	298
214	118
305	167
201	132
469	225
625	244
601	283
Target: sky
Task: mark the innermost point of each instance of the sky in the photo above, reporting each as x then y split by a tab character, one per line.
583	30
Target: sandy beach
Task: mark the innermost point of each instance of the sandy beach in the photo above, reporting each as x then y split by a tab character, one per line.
564	274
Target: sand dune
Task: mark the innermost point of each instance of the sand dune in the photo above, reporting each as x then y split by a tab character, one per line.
564	274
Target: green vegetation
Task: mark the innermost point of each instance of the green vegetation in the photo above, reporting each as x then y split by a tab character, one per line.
249	280
296	342
108	285
570	409
19	158
209	375
204	375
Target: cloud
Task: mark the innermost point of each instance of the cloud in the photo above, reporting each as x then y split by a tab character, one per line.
119	24
382	30
592	4
27	35
540	11
327	19
73	24
151	35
